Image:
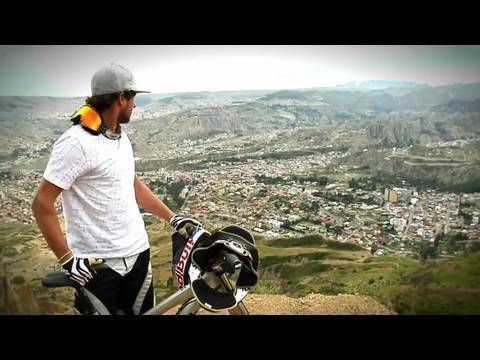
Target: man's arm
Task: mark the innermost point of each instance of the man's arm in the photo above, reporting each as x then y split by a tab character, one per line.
43	208
147	200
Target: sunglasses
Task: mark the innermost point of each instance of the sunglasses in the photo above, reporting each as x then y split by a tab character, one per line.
89	118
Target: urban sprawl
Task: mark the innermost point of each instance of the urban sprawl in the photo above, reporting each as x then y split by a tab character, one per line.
270	197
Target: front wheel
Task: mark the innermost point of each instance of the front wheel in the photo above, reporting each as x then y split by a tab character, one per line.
191	307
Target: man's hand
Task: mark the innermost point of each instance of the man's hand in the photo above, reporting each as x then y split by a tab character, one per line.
79	270
184	225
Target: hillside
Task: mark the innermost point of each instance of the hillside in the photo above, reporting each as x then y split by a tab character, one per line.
21	291
297	267
463	106
454	166
421	127
297	276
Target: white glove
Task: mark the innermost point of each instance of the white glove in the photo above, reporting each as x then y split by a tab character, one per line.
79	270
185	226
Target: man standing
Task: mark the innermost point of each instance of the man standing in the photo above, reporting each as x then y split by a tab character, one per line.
92	166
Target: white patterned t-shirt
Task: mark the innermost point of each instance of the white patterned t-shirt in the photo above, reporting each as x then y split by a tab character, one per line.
102	218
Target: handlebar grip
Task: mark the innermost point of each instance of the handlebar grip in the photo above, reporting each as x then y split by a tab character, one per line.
57	279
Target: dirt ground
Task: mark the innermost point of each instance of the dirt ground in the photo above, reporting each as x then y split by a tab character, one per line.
312	304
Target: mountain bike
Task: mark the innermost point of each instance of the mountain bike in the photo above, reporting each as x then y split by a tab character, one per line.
211	289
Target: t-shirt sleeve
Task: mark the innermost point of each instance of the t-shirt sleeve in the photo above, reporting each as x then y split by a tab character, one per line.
67	162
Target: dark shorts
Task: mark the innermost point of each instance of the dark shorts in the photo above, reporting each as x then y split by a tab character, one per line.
131	294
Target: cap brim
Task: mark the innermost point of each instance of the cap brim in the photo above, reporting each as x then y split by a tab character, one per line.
141	91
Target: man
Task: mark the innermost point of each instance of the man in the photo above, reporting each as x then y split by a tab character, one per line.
92	166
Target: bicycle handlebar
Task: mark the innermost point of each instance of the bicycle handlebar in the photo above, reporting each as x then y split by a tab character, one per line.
61	279
225	262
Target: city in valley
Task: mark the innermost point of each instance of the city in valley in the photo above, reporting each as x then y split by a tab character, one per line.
286	189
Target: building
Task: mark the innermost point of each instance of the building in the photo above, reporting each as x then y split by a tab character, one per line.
391	196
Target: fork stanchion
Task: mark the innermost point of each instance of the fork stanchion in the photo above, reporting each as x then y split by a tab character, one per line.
240	309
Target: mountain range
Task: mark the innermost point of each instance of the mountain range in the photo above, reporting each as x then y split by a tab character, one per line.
399	116
380	85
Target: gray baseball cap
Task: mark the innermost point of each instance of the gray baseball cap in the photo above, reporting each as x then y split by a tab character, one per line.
113	78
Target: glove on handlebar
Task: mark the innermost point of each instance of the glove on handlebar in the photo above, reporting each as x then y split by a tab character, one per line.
185	225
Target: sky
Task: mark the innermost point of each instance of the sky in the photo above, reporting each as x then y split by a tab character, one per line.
66	70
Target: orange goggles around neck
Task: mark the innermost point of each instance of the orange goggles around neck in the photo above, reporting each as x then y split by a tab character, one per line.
89	118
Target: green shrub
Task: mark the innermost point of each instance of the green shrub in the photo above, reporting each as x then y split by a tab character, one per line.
18	280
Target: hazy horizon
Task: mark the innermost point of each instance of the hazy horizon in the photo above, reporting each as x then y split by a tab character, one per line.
66	70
